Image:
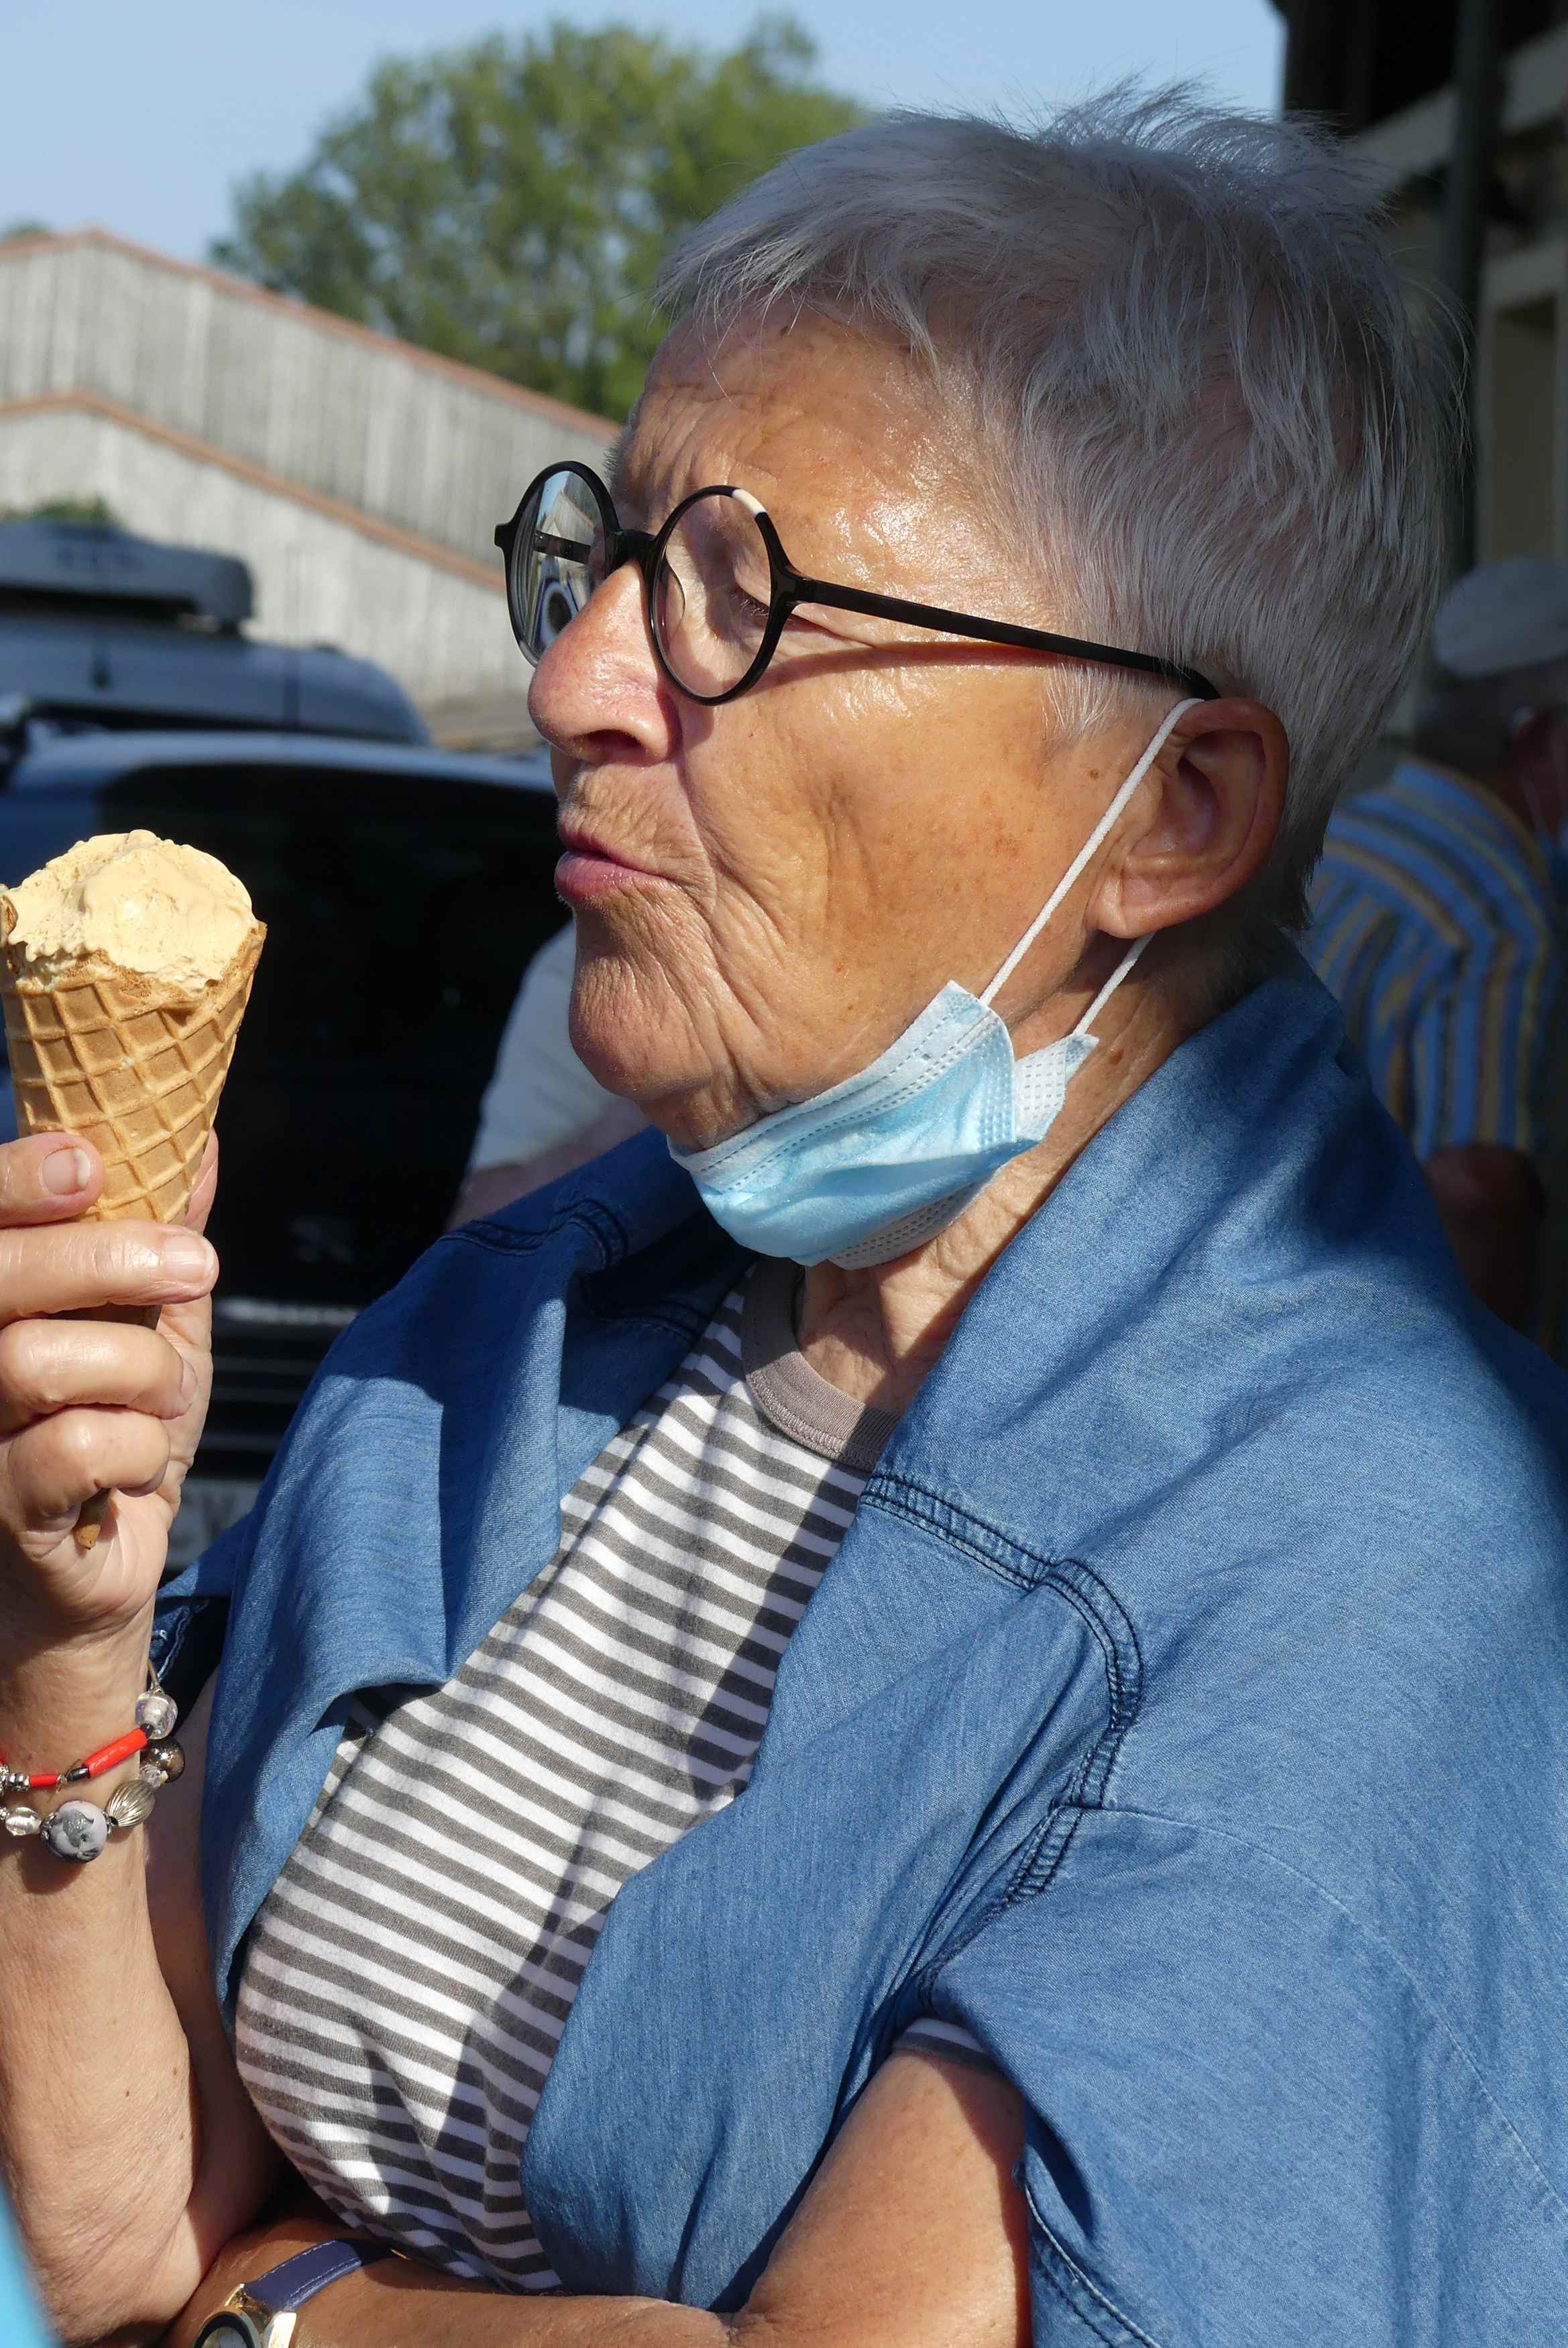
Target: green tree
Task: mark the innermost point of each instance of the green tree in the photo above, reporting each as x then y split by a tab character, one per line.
97	512
507	204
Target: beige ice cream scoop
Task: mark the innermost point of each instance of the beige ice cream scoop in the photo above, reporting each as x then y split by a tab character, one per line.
129	901
125	969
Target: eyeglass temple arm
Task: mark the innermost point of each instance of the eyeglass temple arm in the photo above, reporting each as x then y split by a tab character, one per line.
993	632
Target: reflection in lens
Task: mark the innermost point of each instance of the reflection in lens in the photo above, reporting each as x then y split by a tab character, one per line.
710	595
552	572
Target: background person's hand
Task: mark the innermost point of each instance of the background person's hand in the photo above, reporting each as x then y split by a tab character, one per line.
87	1404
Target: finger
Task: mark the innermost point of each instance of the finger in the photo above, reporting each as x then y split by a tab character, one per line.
48	1178
52	1366
205	1186
62	1461
102	1263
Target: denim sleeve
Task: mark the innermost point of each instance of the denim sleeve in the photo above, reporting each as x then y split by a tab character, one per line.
1249	2125
191	1613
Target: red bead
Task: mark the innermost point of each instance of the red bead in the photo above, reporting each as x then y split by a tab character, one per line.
108	1757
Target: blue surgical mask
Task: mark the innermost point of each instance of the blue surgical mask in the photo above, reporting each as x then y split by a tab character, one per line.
871	1167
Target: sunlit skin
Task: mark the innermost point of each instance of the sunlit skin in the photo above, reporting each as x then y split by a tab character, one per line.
783	882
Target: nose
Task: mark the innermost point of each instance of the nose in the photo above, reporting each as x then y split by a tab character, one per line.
599	694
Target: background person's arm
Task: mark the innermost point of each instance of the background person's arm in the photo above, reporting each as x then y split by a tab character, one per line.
1493	1208
912	2235
1480	1054
541	1108
490	1188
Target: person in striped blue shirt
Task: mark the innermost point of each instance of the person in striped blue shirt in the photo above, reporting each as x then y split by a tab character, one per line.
1437	921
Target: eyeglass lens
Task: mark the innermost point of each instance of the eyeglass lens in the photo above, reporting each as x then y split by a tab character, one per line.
554	560
711	590
710	595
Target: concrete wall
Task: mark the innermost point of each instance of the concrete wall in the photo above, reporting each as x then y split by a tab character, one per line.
323	573
434	449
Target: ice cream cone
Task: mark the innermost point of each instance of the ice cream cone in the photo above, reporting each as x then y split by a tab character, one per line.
132	1064
133	1067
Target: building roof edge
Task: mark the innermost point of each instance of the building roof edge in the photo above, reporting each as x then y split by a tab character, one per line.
401	541
240	289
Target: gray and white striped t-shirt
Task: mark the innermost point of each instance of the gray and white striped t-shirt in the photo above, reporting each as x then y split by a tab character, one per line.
410	1973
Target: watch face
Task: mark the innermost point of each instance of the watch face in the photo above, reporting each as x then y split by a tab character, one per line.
227	2331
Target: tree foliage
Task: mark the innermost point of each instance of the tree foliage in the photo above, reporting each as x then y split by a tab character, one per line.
508	203
93	512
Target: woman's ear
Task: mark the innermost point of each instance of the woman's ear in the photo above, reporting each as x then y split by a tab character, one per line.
1200	834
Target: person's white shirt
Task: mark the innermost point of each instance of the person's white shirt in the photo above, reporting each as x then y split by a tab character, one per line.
542	1113
540	1094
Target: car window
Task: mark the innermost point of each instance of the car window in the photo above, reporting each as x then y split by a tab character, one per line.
401	915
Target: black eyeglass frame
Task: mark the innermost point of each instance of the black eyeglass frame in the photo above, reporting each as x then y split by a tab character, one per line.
789	587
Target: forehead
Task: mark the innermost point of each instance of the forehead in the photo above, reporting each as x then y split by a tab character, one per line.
836	432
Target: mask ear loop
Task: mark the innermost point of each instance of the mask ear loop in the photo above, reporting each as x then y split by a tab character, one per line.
1112	984
1076	867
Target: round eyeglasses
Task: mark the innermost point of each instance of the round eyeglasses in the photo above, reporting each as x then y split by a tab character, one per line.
721	589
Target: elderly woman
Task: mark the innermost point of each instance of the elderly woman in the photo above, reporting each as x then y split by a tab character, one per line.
935	1715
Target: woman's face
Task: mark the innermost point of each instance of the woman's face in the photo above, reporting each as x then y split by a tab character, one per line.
768	892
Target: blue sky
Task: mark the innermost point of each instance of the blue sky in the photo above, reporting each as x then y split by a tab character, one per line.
140	117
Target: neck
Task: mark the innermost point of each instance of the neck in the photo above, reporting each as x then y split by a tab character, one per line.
875	1334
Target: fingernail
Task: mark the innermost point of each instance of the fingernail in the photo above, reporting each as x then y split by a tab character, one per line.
65	1170
186	1256
187	1384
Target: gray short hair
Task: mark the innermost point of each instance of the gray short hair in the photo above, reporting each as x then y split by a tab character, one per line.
1181	339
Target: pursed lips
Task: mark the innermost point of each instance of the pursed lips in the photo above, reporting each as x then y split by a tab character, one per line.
590	867
584	843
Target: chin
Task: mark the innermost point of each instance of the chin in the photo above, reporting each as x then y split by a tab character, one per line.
633	1029
636	1049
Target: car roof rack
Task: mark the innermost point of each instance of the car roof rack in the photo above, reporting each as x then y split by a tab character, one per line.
101	563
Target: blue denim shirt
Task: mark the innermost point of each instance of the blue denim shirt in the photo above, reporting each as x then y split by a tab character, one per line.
1185	1712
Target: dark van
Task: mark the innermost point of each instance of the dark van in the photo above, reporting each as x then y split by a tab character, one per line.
405	891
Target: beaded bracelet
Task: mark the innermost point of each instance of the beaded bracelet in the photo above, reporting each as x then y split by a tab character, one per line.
79	1830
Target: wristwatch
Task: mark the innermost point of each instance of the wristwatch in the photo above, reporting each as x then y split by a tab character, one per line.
263	2314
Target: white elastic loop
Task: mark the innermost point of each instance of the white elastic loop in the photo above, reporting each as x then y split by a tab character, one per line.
1112	983
1087	851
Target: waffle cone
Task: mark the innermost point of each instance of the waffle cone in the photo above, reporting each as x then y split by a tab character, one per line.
133	1066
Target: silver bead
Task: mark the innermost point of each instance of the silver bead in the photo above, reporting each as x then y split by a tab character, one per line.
128	1805
76	1830
157	1712
162	1763
21	1821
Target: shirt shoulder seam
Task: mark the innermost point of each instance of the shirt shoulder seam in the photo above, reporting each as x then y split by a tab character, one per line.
600	1223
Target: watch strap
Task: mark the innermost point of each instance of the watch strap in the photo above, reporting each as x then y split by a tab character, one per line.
284	2288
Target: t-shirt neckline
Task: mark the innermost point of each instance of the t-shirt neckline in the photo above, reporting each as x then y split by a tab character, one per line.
791	1396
